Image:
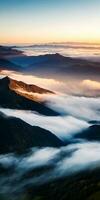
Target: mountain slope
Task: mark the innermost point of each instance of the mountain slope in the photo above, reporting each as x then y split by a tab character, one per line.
5	54
91	134
16	135
18	85
8	65
10	99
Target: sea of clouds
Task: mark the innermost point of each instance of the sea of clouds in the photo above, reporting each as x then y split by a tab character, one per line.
76	112
61	162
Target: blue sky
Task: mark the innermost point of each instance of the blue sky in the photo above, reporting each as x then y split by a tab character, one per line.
34	21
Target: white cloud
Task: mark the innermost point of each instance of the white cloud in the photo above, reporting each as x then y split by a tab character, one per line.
93	85
63	162
84	108
62	126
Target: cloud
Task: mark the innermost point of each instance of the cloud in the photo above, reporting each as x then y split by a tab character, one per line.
89	84
48	83
75	112
69	159
53	163
56	162
71	86
62	126
86	155
83	108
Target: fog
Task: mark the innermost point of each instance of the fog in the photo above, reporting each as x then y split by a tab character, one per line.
76	112
69	85
87	51
62	126
60	162
41	165
84	108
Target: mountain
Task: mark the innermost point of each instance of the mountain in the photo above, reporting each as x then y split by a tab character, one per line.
91	134
96	122
41	59
8	65
5	54
6	51
9	98
50	65
56	64
19	85
16	135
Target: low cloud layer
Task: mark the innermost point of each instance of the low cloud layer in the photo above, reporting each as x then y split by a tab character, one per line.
79	107
95	85
76	112
58	162
69	85
62	126
53	163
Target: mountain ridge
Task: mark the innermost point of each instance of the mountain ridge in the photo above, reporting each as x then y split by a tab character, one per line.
15	84
11	99
56	64
18	136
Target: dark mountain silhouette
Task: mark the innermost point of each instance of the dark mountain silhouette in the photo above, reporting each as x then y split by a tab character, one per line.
10	99
16	135
94	122
91	134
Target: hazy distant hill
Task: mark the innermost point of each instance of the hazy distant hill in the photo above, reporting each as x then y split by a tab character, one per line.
5	54
56	64
8	65
6	51
47	65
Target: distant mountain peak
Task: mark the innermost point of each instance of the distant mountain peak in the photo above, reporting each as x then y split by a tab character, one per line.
54	56
58	55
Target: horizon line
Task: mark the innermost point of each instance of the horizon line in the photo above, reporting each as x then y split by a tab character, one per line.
48	43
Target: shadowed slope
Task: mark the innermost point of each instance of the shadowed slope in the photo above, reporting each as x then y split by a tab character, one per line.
91	134
16	135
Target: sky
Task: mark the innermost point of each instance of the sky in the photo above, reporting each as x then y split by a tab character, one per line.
44	21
